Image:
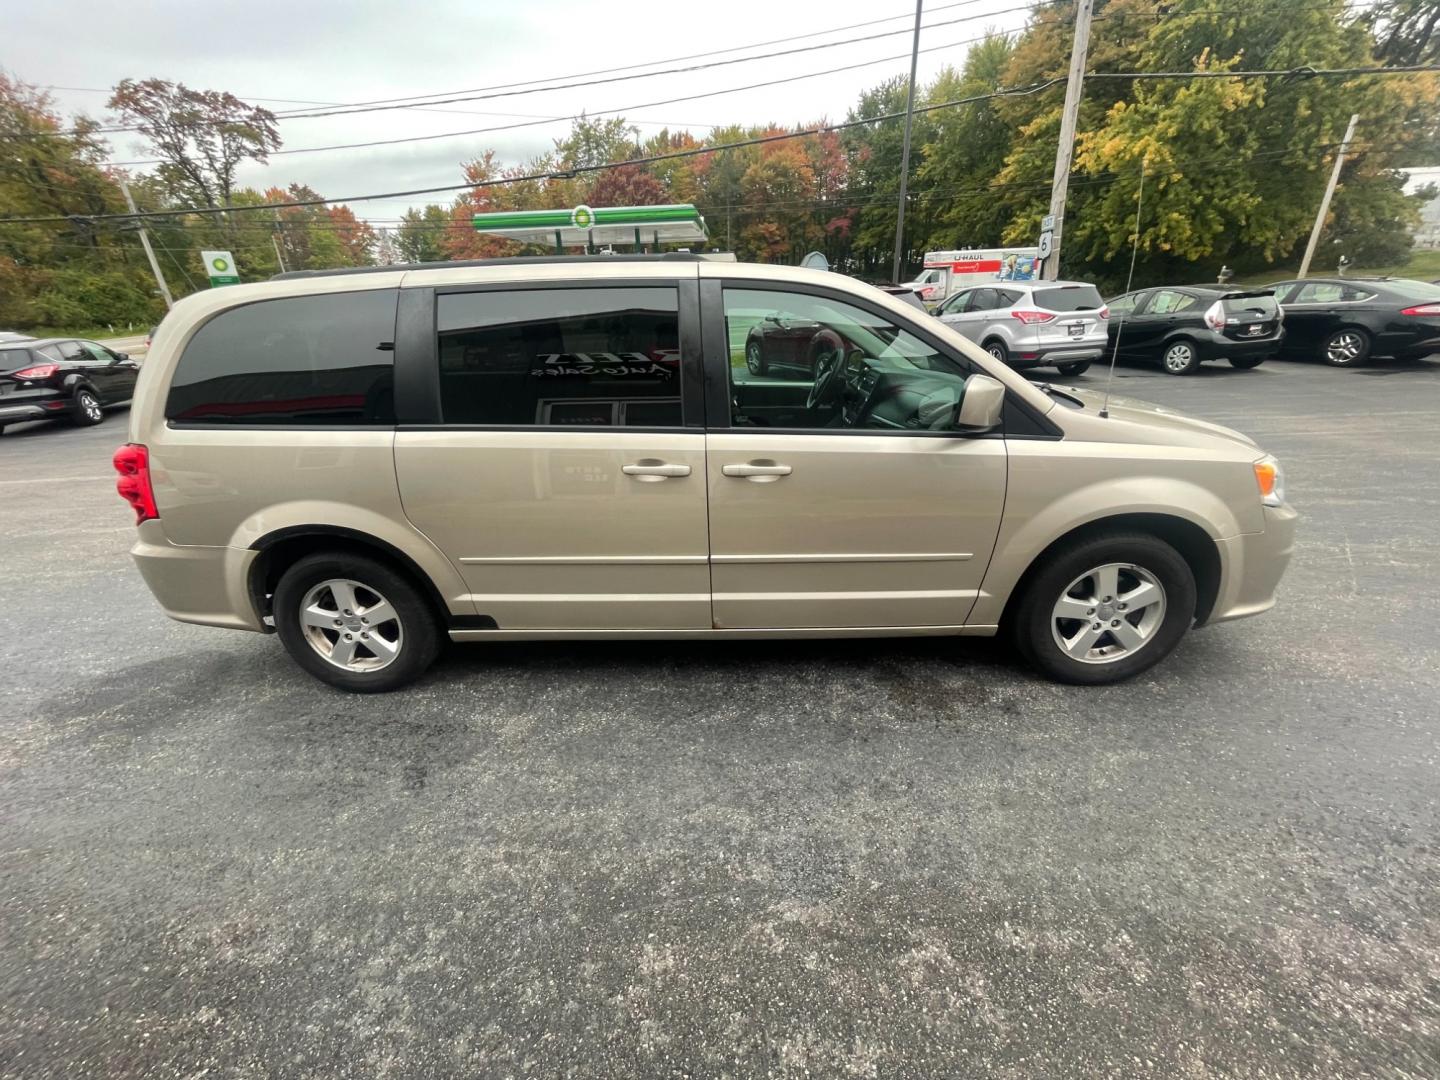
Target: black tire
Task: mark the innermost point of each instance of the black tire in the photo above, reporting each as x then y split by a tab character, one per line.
1246	363
87	412
419	631
755	360
1033	624
1171	357
996	348
1347	347
1073	370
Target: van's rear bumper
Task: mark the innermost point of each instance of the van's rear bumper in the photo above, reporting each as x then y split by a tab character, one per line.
205	585
1251	566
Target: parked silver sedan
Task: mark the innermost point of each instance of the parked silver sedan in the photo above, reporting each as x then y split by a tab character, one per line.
1029	324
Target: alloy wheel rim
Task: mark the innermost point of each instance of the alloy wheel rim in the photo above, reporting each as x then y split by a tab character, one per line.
1343	348
351	625
1178	358
997	352
752	358
89	406
1108	613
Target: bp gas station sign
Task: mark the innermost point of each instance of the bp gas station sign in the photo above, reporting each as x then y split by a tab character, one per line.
220	266
586	226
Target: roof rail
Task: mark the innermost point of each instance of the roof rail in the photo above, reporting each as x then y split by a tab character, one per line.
512	260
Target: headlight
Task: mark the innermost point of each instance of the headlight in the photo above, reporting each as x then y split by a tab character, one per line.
1271	480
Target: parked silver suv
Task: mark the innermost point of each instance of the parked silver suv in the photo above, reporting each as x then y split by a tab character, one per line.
1030	324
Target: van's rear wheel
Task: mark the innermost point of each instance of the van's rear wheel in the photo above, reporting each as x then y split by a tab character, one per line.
355	623
1105	608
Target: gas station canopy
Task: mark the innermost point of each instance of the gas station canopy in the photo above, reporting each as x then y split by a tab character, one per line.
585	227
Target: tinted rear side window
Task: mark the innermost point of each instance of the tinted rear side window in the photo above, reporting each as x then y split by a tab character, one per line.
305	360
13	358
1072	298
561	357
1412	290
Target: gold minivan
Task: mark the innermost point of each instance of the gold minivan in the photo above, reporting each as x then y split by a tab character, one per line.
366	461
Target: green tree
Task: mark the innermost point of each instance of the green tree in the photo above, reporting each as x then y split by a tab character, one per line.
418	239
966	149
199	136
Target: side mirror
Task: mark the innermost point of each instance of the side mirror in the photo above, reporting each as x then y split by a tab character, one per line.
982	406
122	357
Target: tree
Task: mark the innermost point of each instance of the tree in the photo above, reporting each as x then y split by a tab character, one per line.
420	235
628	185
200	136
596	142
51	169
356	238
1406	31
966	149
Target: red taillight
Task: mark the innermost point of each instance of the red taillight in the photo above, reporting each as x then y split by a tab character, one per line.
1030	318
39	371
1422	309
132	462
1104	313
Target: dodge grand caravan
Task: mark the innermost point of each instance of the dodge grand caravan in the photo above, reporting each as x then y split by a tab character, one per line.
365	462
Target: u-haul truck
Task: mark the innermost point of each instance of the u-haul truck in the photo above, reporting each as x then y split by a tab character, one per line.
948	272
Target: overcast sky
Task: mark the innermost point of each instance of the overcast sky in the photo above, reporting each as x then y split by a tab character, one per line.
332	52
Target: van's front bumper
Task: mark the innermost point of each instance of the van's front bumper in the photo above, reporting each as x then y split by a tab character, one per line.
206	585
1252	564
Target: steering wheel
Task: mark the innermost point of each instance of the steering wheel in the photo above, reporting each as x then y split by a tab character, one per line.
828	350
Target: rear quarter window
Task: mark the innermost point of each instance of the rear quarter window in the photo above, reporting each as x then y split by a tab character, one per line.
298	361
14	358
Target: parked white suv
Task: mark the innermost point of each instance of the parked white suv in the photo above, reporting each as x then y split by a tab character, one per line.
1029	324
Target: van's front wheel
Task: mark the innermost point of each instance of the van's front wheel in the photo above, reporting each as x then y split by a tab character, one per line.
355	623
1105	608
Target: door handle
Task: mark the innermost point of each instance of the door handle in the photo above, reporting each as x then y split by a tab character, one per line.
760	473
652	471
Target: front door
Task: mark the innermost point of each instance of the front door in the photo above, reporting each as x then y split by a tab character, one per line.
560	476
114	377
1147	329
1312	314
864	509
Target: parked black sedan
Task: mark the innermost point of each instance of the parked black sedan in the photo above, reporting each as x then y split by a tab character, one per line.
1345	321
62	377
1183	326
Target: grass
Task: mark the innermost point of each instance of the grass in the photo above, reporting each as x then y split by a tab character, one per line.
1423	266
91	333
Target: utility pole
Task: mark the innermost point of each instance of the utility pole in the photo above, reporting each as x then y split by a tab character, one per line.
905	151
149	251
275	239
1064	152
1329	193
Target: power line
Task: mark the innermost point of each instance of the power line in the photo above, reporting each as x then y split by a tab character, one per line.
1308	72
610	112
556	174
494	93
421	99
461	226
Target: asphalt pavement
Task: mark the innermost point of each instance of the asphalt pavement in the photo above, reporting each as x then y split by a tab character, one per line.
842	859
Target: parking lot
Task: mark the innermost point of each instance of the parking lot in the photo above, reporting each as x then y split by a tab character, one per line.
892	858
